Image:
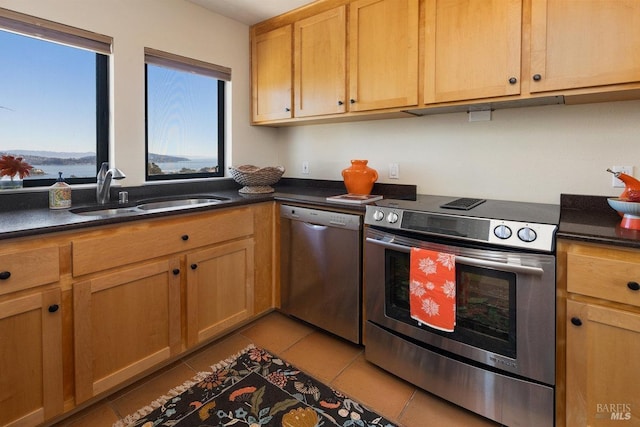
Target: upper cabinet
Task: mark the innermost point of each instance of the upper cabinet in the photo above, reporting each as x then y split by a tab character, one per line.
355	59
271	75
319	63
580	44
383	51
471	49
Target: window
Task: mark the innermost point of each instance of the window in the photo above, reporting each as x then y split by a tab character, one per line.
54	105
185	106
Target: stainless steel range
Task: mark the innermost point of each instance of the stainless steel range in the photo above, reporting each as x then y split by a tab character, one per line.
499	358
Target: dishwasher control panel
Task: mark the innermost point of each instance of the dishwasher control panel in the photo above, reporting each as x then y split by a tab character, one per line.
321	217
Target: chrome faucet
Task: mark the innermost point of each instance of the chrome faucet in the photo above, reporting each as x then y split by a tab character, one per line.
104	181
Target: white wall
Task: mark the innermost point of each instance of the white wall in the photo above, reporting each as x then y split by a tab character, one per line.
530	154
174	26
526	154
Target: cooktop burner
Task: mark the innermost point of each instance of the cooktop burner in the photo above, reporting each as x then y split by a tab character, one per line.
494	222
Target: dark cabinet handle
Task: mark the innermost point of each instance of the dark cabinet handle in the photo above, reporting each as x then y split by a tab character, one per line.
194	266
4	275
576	321
176	271
537	77
53	308
513	80
352	101
634	286
287	109
185	237
340	103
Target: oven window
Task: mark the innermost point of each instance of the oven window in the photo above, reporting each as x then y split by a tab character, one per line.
486	308
396	283
485	304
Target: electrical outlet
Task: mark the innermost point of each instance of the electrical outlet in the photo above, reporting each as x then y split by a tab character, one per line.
615	182
305	167
394	171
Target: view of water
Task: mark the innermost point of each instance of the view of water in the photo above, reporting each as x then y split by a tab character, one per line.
84	171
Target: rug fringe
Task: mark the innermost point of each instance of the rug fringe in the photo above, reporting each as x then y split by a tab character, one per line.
132	418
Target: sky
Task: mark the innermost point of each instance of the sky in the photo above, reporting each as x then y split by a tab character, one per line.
47	102
44	106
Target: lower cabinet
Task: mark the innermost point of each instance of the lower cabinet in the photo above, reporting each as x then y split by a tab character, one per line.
124	324
602	371
602	333
83	313
31	358
219	289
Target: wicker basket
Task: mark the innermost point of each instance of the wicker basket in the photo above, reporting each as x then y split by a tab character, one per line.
256	180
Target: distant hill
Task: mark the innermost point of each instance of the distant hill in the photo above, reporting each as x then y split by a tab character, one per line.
161	158
54	154
71	158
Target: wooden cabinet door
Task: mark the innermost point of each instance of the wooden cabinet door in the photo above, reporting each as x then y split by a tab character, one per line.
271	75
472	49
219	289
603	376
124	324
31	359
320	64
383	51
577	44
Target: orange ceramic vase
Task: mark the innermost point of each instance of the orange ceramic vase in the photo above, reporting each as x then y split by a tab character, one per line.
359	178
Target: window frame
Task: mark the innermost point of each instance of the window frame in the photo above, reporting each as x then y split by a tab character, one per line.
188	65
101	45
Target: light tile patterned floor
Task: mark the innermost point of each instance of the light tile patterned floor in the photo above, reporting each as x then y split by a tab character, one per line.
329	359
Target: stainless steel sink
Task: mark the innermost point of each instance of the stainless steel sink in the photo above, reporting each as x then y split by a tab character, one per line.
149	206
178	203
107	211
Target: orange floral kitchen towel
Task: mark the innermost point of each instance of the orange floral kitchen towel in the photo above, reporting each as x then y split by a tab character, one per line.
432	284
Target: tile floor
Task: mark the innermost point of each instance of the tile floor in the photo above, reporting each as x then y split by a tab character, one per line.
329	359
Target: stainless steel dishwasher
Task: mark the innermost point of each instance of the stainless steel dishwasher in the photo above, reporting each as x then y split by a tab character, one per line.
320	269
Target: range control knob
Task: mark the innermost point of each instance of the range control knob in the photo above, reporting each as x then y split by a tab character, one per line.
392	218
502	232
527	235
378	215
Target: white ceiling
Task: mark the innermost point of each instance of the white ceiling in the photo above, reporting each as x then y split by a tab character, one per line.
250	11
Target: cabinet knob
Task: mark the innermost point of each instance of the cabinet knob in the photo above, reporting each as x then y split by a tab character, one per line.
53	308
340	103
576	321
194	266
634	286
287	109
4	275
176	271
537	77
352	101
185	237
513	80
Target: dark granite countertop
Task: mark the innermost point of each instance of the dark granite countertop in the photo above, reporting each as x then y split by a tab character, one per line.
27	213
591	219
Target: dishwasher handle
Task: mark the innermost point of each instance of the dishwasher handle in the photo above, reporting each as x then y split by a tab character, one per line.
320	217
315	226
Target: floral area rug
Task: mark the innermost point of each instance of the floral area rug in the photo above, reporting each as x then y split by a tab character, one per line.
254	388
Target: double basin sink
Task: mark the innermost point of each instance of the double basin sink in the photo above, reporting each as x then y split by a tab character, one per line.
148	206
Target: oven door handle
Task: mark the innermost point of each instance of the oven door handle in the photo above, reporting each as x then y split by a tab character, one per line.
503	266
475	262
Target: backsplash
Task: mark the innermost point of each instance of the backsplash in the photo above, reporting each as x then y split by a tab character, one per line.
524	154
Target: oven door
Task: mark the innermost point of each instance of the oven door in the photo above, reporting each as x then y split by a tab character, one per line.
505	303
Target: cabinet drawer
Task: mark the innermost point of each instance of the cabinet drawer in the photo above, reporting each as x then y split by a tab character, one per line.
605	273
28	268
150	239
